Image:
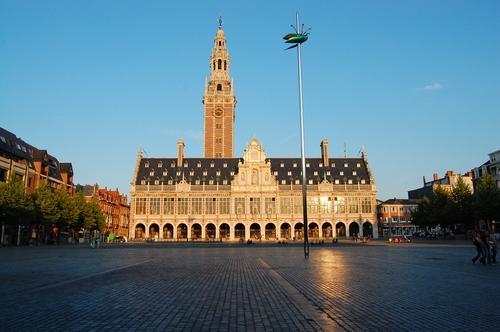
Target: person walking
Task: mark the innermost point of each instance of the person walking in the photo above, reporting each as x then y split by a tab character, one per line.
476	241
486	258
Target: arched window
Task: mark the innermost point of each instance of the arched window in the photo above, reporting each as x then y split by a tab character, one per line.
220	43
219	63
225	65
219	87
214	65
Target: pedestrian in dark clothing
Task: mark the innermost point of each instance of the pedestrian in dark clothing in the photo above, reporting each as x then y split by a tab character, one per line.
476	240
493	248
486	257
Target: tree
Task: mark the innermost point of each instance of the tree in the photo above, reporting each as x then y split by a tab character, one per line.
487	200
46	203
93	218
434	210
16	207
460	206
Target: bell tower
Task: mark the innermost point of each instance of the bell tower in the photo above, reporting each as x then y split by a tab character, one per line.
219	102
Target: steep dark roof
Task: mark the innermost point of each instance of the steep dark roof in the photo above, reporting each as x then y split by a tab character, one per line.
12	145
338	170
66	168
400	201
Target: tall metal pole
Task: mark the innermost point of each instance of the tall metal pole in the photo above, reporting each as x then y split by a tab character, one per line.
302	153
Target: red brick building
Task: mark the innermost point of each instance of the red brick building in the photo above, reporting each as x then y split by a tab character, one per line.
114	206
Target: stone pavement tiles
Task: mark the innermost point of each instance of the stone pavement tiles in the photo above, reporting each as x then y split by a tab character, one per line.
221	288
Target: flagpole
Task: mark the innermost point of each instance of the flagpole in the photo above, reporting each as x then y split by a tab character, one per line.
302	153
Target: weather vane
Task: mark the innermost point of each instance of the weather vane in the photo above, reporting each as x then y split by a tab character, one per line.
298	37
220	22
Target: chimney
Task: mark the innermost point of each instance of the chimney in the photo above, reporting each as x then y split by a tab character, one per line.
324	151
180	153
449	174
435	176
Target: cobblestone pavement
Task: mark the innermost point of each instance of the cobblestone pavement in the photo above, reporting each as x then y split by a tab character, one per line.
227	288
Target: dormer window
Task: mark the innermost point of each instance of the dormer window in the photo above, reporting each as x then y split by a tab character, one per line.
307	165
178	173
224	165
186	165
310	181
224	181
212	165
320	164
363	181
232	173
297	181
295	165
143	181
289	173
205	173
341	172
152	173
157	182
146	164
354	173
197	182
337	181
282	165
211	182
165	173
358	165
170	182
283	181
198	165
316	173
160	164
217	173
327	172
172	164
275	172
191	173
333	165
349	181
346	165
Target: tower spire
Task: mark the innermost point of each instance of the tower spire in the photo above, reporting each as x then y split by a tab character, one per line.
220	22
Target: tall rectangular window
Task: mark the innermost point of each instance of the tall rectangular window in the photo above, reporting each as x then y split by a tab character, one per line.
154	205
339	205
352	202
168	205
325	205
298	206
140	205
224	205
239	205
285	205
196	205
255	205
312	205
182	205
210	205
366	205
270	205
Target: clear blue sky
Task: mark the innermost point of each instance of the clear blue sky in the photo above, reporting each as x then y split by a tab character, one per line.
416	82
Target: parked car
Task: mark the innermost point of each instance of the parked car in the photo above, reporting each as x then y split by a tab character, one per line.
399	239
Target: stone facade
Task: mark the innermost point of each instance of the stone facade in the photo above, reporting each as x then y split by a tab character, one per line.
222	198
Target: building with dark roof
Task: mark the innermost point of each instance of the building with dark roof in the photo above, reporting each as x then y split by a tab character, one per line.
491	167
447	182
33	165
220	197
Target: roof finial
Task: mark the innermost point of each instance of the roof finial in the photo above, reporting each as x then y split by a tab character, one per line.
220	22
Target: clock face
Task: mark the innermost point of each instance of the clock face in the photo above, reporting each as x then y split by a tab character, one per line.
218	112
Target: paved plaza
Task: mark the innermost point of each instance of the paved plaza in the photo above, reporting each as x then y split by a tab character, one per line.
226	288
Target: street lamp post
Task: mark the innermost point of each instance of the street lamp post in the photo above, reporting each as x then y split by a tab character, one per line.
297	39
